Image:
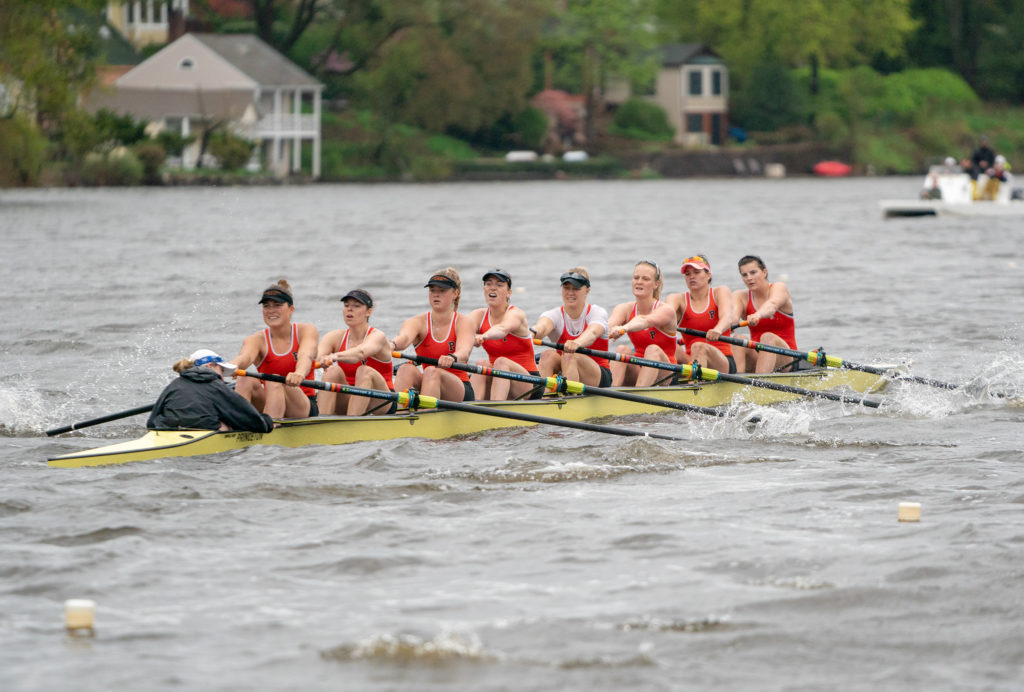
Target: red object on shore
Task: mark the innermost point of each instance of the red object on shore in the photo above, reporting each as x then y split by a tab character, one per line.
832	169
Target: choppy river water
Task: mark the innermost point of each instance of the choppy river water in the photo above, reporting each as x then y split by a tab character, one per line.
531	559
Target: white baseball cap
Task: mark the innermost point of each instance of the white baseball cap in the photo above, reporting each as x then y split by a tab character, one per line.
205	356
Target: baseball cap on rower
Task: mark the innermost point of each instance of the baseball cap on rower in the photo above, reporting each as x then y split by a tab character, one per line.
441	281
205	356
697	262
500	275
360	295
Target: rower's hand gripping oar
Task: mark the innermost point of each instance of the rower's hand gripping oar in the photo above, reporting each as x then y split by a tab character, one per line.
560	385
414	400
820	358
102	419
698	372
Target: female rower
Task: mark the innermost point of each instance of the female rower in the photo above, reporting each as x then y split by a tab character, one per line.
650	325
199	399
441	333
284	348
359	356
505	335
768	310
708	309
577	323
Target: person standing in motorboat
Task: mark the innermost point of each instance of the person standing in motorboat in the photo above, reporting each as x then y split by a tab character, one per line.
199	399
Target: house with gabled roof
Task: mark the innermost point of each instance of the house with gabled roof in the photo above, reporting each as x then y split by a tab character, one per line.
692	87
236	82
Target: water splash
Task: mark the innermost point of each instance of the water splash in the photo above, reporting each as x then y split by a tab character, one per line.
406	648
23	412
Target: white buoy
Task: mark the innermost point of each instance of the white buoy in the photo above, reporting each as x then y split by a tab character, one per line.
78	614
909	511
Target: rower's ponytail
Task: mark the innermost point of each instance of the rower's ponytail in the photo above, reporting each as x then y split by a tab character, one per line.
454	276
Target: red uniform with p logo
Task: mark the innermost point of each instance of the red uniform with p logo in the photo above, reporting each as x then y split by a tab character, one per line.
432	348
652	335
283	364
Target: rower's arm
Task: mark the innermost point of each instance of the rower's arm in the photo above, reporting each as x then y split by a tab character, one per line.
542	328
723	298
309	342
463	339
410	333
250	352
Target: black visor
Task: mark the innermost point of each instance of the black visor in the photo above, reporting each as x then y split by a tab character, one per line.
441	281
360	295
276	296
575	279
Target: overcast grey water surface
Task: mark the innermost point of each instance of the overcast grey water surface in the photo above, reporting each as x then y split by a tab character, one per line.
533	559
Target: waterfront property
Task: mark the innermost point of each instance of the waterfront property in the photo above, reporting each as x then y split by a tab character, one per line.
202	82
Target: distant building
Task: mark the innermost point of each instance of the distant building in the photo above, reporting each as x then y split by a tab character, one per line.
145	22
237	82
693	88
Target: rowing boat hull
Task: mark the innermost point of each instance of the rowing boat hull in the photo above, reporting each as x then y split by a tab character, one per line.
439	424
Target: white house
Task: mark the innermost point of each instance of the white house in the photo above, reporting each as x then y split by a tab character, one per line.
203	81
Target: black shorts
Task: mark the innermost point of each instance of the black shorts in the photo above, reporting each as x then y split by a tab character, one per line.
606	378
469	395
732	365
538	391
314	410
377	404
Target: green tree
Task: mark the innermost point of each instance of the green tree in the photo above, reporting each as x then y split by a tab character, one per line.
601	40
45	63
979	40
463	64
816	33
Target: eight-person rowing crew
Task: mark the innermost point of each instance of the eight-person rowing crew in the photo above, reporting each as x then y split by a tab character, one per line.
361	355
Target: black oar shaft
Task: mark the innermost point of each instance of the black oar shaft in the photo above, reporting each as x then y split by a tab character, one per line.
414	400
818	358
712	375
102	419
572	386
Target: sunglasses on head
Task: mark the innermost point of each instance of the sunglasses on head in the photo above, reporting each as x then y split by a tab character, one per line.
657	269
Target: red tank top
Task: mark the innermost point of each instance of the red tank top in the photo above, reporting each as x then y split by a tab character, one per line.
781	324
703	321
381	366
600	344
274	363
518	349
432	348
652	335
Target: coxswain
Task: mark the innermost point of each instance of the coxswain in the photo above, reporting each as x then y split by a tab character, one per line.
199	399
